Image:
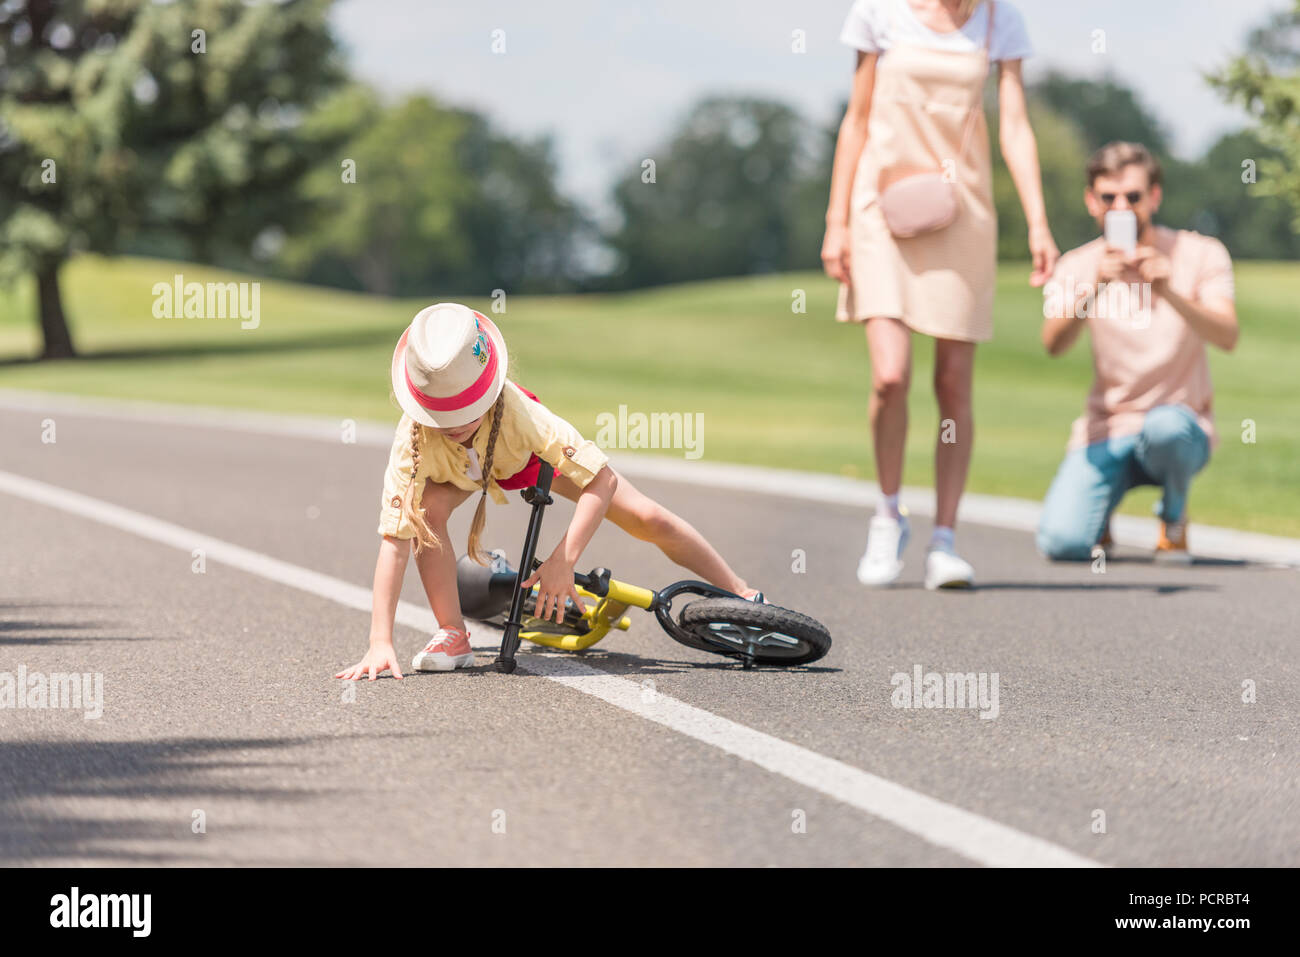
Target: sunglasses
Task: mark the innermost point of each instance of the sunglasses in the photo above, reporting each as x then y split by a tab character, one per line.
1133	198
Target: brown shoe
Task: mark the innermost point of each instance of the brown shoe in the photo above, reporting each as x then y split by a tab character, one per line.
1106	541
1172	547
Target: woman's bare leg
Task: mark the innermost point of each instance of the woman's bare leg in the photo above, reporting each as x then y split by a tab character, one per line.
954	366
890	345
644	518
437	566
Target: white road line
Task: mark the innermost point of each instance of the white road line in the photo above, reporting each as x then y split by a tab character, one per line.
963	832
988	510
930	819
214	549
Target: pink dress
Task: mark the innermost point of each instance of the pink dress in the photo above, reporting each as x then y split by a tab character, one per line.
940	283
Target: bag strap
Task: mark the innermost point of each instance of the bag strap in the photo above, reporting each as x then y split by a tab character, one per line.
975	110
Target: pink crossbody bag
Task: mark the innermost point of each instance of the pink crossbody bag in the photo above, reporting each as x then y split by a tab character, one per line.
915	203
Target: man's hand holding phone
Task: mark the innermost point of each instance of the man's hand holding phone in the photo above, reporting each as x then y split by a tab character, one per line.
1153	266
1112	265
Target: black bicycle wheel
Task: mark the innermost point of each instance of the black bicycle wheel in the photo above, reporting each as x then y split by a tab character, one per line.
770	634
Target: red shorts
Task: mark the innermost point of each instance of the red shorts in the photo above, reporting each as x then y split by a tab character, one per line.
527	475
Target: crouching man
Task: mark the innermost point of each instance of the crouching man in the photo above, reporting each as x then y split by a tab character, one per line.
1150	307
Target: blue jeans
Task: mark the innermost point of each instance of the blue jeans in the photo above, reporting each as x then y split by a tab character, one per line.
1169	450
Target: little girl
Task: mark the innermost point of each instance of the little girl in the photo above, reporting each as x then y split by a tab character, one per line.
468	429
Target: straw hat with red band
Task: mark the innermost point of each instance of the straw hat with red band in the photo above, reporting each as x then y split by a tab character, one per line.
449	366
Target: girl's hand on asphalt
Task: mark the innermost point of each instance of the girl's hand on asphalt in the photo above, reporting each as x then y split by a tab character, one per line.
555	581
376	661
835	252
1043	252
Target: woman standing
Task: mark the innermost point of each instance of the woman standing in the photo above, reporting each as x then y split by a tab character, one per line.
918	254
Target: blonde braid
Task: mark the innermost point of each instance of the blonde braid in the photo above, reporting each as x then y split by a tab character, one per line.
480	514
414	511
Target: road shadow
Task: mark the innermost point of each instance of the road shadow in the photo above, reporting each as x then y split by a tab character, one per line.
26	631
7	605
1145	558
616	663
36	776
621	664
240	346
597	655
15	640
1157	588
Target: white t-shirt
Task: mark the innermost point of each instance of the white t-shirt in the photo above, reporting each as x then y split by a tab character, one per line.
873	26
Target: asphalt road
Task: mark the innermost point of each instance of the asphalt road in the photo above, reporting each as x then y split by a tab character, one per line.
1119	693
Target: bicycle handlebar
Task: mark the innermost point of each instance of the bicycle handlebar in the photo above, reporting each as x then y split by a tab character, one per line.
596	581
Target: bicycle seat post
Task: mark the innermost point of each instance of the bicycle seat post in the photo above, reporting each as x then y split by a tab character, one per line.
538	496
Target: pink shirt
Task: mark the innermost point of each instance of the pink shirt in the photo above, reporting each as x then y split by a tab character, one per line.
1144	354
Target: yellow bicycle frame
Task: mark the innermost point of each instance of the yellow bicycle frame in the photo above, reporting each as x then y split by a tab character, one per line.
606	613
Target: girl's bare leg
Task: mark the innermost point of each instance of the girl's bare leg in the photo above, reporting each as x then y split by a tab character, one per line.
437	566
644	518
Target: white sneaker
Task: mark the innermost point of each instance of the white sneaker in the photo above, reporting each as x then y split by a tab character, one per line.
945	569
882	562
446	651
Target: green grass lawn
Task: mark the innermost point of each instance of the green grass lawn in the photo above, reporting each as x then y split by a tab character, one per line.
775	388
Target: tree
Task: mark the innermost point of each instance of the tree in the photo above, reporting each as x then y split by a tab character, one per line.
386	205
1266	81
121	118
1252	226
426	197
719	199
1103	110
526	234
1072	117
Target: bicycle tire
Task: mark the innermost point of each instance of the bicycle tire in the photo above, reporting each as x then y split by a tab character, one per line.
722	617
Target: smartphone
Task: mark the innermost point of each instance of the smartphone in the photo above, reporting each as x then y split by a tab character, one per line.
1121	229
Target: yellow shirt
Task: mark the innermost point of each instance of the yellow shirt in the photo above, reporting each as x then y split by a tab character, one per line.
527	427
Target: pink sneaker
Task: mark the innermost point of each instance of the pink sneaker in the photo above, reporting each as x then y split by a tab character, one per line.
446	651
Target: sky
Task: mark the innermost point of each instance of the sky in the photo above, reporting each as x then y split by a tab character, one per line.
609	79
